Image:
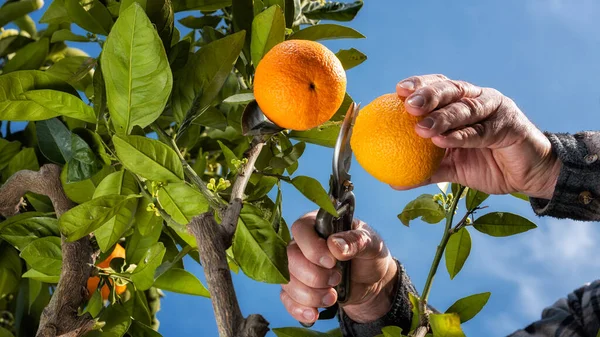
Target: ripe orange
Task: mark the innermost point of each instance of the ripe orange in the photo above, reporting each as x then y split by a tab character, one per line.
387	146
299	84
92	283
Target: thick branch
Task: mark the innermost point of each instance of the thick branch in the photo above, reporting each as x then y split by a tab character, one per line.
230	218
60	317
228	315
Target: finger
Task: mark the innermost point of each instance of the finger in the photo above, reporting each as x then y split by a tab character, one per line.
307	296
438	95
311	244
407	86
357	243
309	273
472	136
299	312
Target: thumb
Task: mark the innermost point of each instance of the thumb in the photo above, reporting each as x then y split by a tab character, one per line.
357	243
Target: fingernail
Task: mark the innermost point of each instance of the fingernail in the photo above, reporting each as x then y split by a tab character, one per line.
328	300
408	85
334	279
416	101
327	261
426	123
308	314
342	245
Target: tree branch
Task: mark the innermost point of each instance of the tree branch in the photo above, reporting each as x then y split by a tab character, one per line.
231	215
228	315
60	317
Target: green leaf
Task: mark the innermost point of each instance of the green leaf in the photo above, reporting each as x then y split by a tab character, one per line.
467	307
83	164
94	305
182	202
148	158
230	157
199	82
324	135
391	331
475	198
337	11
26	24
87	217
502	224
143	275
326	32
16	106
5	333
39	276
457	251
298	332
56	13
193	22
54	140
123	183
520	196
137	307
136	71
117	322
77	71
288	157
146	220
445	325
90	15
181	281
67	35
240	98
138	243
82	191
13	10
350	58
10	270
425	207
61	103
268	29
44	255
30	57
258	249
24	160
138	329
414	302
203	5
312	189
25	230
7	151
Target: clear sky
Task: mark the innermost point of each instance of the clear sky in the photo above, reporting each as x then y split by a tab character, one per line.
542	53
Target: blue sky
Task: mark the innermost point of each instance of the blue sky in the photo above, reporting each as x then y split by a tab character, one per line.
542	53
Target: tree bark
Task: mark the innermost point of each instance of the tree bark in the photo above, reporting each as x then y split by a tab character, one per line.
211	246
60	317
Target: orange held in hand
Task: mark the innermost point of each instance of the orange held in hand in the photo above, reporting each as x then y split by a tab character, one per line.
299	84
92	284
387	146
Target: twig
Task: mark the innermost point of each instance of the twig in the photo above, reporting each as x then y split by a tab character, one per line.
437	259
231	215
60	317
212	249
278	176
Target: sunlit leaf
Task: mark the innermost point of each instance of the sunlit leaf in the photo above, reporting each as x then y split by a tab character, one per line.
268	29
324	135
10	270
475	198
143	275
326	32
67	35
502	224
44	255
30	57
26	229
203	5
332	10
467	307
312	189
457	251
424	207
14	10
181	281
445	325
90	15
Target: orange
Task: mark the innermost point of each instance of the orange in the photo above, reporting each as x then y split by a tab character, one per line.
92	283
387	146
299	84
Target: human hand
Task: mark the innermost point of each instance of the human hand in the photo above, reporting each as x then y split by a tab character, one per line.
492	146
313	275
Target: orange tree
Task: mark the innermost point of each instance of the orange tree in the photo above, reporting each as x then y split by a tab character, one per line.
156	145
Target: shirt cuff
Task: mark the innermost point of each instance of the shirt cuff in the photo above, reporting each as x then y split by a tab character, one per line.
577	192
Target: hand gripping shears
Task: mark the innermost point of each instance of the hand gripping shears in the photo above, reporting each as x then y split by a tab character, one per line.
340	192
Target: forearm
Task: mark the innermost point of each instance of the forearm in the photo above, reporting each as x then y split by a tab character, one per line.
577	191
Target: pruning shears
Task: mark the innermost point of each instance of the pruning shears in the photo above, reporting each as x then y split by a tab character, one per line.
340	192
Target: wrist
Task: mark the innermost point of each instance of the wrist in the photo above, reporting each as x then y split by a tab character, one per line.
547	175
381	302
